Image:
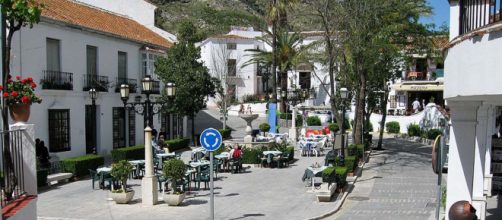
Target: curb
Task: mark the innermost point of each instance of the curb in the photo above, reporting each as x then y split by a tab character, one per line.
345	194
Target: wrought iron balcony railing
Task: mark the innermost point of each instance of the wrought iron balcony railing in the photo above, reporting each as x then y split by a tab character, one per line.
100	83
475	14
57	80
12	166
133	85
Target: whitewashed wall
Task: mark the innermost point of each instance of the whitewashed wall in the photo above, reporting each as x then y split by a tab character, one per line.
29	59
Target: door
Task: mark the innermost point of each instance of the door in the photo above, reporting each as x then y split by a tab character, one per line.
90	130
118	127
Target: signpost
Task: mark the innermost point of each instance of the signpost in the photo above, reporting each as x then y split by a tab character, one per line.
211	140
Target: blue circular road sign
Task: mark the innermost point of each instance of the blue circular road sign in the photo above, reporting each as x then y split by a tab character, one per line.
210	139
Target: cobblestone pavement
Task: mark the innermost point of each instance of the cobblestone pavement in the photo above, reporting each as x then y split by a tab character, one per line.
397	183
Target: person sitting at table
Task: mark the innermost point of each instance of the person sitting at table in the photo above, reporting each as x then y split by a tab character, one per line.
235	155
156	148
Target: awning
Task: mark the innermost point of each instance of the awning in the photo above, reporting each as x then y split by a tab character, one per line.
415	87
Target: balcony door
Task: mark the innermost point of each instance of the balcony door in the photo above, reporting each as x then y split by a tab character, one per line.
53	55
92	60
122	66
90	130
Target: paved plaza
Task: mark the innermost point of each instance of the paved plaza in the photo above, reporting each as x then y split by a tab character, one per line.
397	183
259	193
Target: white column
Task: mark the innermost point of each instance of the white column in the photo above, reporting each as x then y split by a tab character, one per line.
490	130
29	155
479	200
149	186
292	130
461	155
185	127
454	19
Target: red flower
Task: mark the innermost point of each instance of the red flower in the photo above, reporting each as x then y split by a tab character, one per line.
18	77
1	87
6	94
9	80
29	79
23	81
33	85
25	99
14	93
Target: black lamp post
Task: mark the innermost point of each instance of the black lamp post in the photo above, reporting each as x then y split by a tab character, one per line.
344	93
146	108
94	94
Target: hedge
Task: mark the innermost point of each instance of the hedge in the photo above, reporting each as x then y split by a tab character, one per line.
251	156
350	163
225	133
128	153
80	166
414	130
177	144
341	173
433	133
356	150
393	127
329	175
313	121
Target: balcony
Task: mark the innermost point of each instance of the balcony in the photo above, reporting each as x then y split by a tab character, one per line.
57	80
423	76
133	85
155	88
100	83
475	14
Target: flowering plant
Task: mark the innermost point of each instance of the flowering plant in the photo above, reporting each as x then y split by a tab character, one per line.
20	91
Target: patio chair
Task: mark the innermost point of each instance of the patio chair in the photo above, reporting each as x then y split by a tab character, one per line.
282	160
162	181
235	165
94	177
216	166
107	177
202	176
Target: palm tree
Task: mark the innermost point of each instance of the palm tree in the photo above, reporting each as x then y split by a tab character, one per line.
289	53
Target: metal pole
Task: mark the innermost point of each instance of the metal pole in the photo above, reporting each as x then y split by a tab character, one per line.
439	168
212	184
94	141
343	131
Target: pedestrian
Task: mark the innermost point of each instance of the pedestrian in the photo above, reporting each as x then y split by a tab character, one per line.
44	157
415	105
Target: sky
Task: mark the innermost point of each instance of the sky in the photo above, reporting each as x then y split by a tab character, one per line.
441	13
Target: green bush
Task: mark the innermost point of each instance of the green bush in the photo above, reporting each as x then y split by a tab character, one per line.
313	121
251	99
333	127
299	120
174	170
128	153
80	166
433	133
291	151
393	127
350	163
177	144
414	130
264	127
329	175
120	171
341	174
251	156
225	133
42	177
356	150
284	115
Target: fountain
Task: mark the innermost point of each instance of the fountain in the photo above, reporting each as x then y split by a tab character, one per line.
249	118
431	118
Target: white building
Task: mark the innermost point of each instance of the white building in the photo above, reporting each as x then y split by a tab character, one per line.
226	55
474	94
78	46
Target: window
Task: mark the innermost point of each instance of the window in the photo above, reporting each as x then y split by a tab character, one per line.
92	60
232	67
119	129
59	130
392	100
148	63
305	80
122	65
231	46
53	55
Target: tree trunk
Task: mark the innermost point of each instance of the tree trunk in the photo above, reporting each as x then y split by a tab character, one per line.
361	97
382	122
224	112
274	60
284	87
193	131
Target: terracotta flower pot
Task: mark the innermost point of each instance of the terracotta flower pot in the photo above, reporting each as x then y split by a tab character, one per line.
20	112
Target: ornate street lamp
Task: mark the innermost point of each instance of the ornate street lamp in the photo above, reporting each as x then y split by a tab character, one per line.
94	95
146	108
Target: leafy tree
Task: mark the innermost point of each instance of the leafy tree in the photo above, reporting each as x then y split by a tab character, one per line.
17	14
183	67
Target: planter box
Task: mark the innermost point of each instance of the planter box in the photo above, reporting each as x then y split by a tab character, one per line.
325	194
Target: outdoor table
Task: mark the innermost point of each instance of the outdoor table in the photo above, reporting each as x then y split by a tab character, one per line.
137	164
164	156
197	150
274	152
198	164
104	170
101	171
223	157
315	171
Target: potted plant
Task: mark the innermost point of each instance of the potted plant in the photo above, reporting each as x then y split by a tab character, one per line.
19	96
175	171
120	171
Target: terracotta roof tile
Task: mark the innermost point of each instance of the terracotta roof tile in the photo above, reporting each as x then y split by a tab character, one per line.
71	12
